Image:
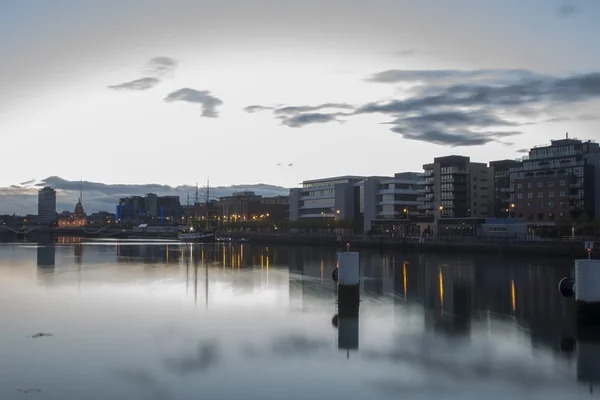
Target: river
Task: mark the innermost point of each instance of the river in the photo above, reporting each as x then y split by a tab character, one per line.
160	320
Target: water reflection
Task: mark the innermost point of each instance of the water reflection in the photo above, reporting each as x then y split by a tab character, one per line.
184	314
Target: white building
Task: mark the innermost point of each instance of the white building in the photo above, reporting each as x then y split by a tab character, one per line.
47	205
390	204
325	198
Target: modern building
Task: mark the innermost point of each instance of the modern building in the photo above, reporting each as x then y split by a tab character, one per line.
501	204
390	204
47	206
455	187
326	198
149	206
557	181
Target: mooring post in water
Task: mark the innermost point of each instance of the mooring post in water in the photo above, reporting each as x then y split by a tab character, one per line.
348	288
587	291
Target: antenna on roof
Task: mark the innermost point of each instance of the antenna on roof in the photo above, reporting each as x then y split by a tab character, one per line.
567	135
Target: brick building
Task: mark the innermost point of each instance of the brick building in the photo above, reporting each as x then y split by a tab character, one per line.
556	181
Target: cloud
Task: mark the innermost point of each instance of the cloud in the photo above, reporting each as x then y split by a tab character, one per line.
157	67
566	10
138	84
162	65
22	199
453	128
448	75
299	116
298	121
461	108
523	151
588	117
254	109
209	103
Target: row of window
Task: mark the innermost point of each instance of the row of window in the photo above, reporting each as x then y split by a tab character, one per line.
541	195
542	204
540	184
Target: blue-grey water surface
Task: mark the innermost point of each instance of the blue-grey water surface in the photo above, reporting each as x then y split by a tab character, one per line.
138	320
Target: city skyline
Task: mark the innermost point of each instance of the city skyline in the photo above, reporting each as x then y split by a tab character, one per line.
280	92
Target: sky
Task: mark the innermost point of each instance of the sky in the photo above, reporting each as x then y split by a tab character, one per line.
274	91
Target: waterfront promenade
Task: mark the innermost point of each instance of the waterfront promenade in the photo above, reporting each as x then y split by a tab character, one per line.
565	247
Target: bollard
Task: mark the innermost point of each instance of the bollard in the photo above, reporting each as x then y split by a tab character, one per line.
348	299
348	269
587	291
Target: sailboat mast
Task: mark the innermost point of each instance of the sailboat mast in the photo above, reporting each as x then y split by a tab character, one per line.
206	206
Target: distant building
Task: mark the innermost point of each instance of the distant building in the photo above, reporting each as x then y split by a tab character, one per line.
455	187
47	206
557	181
501	204
325	198
75	219
248	206
390	204
149	207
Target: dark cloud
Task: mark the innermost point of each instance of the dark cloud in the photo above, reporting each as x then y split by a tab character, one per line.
449	75
523	151
299	116
588	117
566	10
453	128
458	138
22	199
162	65
461	108
254	109
209	103
300	120
138	84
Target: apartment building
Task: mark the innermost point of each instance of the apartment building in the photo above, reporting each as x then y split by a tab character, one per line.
455	187
47	206
557	181
500	198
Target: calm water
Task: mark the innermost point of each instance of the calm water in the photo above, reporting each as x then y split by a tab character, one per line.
135	320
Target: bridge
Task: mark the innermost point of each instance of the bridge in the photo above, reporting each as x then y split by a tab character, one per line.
67	231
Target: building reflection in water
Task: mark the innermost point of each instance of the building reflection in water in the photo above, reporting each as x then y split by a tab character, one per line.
46	255
449	295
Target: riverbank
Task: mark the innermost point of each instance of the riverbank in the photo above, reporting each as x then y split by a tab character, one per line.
447	245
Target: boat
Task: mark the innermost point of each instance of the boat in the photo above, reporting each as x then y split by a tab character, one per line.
194	233
197	237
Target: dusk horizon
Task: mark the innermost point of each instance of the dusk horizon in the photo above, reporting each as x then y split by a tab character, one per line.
237	91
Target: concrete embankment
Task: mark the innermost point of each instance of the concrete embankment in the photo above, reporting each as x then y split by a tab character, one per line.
449	245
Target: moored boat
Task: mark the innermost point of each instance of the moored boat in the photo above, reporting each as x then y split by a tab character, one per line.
197	237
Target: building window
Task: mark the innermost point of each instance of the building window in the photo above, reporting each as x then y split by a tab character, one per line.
519	186
530	195
562	193
529	185
528	205
519	196
562	182
540	184
550	183
551	204
540	195
551	193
